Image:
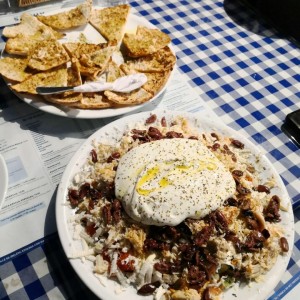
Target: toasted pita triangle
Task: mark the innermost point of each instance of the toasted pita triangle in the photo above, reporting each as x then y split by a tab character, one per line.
93	58
160	61
30	26
55	77
76	50
74	79
146	41
99	57
47	55
14	68
155	80
113	72
110	21
20	45
92	101
135	97
67	99
75	17
71	48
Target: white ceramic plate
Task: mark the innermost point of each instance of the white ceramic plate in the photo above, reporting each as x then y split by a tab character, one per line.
92	36
3	180
111	133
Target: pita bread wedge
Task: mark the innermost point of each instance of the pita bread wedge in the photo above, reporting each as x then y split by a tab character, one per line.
55	77
20	45
30	26
47	55
146	41
93	58
135	97
110	21
100	57
160	61
74	77
14	68
75	50
71	48
75	17
113	72
92	101
69	97
89	72
155	80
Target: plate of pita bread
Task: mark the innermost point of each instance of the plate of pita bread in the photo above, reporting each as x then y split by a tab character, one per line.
86	44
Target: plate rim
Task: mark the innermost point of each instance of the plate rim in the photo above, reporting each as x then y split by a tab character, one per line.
121	122
76	113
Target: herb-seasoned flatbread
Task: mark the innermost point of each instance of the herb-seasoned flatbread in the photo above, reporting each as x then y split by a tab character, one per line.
110	21
49	62
113	72
55	77
71	49
24	36
47	55
146	41
155	80
74	77
92	101
160	61
75	17
69	97
93	58
30	26
99	57
76	50
14	68
135	97
20	45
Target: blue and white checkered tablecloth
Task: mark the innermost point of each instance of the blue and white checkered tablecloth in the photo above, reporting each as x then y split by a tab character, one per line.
246	72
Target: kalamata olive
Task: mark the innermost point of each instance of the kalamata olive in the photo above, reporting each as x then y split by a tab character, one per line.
284	245
151	119
94	156
237	144
149	288
263	189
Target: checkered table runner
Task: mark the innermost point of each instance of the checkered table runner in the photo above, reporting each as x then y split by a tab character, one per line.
247	73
